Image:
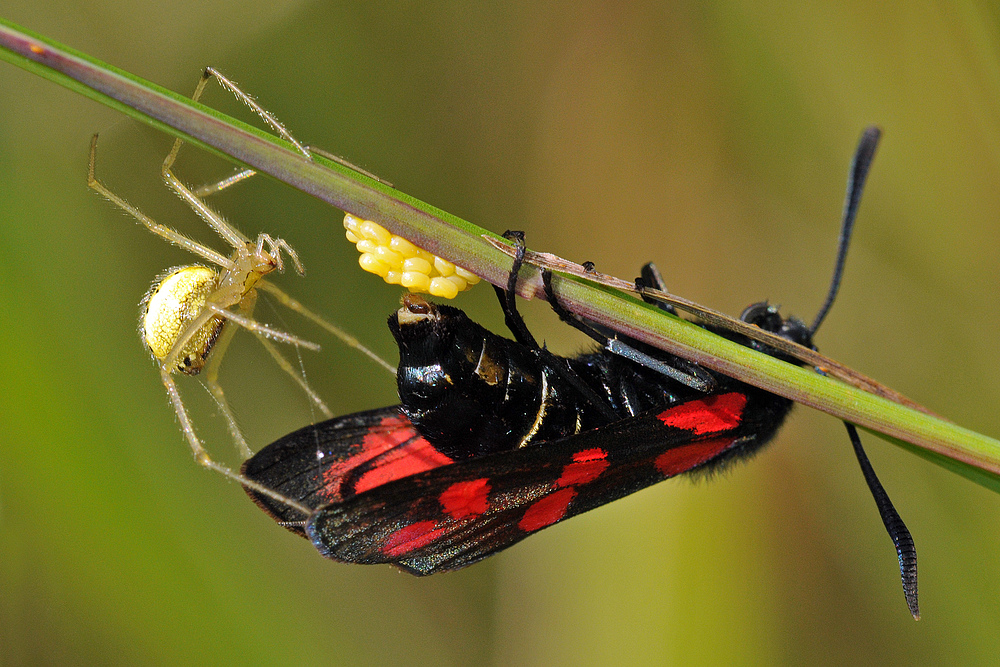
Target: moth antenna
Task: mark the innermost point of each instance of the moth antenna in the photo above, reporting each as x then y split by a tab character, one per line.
906	550
856	178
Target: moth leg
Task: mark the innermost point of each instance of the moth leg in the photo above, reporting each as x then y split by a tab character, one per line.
650	278
692	375
514	321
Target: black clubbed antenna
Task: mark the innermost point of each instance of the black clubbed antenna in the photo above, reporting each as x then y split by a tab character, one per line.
862	161
906	551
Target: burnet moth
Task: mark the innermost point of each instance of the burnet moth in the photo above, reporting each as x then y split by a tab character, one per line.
496	439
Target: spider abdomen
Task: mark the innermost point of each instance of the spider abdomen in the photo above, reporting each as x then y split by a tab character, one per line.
174	301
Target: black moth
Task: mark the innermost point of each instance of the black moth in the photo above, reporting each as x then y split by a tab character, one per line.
496	439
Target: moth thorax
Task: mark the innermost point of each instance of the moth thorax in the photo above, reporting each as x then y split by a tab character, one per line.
171	304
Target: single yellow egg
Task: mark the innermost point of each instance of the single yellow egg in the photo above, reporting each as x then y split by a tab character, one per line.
415	281
443	288
444	267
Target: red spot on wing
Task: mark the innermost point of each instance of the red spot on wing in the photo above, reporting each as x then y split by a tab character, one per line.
712	414
587	466
415	456
681	459
465	499
401	452
547	511
410	538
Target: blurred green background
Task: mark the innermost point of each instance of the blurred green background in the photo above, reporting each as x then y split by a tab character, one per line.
713	138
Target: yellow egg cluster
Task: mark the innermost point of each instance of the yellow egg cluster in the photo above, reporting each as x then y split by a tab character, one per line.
399	262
